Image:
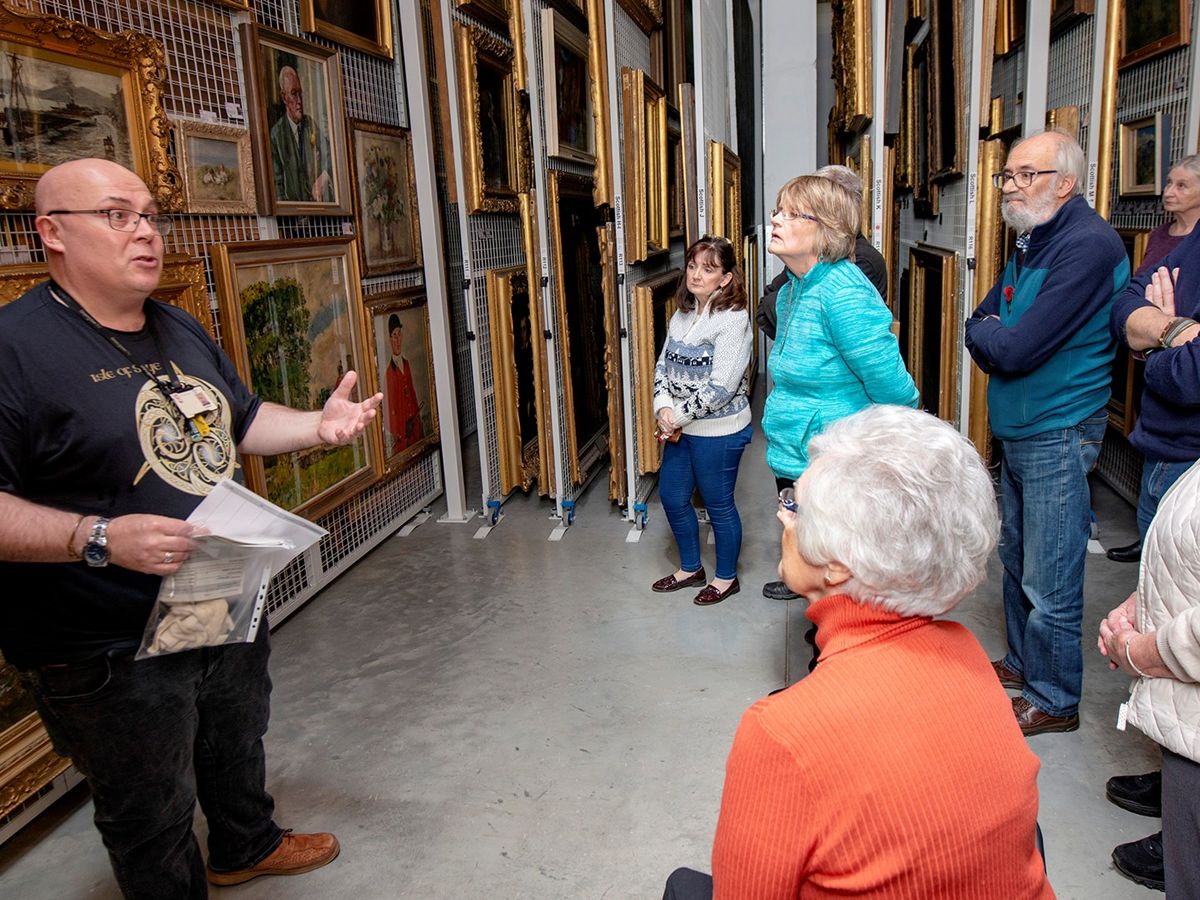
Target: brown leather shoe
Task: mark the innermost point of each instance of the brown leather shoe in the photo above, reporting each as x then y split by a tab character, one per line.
1010	679
711	595
295	855
1033	721
671	583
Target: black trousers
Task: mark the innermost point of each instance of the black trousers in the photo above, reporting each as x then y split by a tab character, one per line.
688	884
1180	824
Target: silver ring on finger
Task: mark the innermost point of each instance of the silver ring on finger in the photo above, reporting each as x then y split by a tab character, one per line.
168	558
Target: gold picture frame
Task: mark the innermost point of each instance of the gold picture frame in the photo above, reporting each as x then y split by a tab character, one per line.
27	758
292	316
947	120
491	121
514	322
579	301
860	164
216	168
933	303
676	191
601	108
181	284
301	165
1143	144
653	306
1128	372
496	12
618	488
725	194
1155	27
644	112
346	22
533	271
647	14
989	262
1064	118
852	65
385	197
114	110
1010	25
568	94
408	417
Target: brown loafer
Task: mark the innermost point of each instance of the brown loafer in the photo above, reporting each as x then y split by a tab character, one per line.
671	583
295	855
1010	679
711	595
1033	721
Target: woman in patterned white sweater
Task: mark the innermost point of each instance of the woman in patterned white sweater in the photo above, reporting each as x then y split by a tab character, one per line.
703	413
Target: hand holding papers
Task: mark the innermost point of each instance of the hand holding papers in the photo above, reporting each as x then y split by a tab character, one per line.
217	595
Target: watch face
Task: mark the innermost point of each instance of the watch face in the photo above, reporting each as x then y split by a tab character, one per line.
95	554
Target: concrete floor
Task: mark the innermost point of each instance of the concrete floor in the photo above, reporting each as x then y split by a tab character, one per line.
517	718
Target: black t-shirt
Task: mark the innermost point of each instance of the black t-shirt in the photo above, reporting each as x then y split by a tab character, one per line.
81	431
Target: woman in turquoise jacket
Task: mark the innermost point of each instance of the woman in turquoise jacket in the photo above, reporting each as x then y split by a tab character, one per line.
834	350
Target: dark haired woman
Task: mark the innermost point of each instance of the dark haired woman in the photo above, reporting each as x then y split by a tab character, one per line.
703	414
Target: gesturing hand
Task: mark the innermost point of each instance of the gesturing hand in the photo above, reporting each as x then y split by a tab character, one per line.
342	419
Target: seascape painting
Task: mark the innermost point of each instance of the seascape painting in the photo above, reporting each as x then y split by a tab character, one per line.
54	110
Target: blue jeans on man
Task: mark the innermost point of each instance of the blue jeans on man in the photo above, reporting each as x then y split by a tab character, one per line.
1046	523
152	736
1157	478
710	464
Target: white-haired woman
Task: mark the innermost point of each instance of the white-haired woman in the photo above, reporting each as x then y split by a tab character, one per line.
862	779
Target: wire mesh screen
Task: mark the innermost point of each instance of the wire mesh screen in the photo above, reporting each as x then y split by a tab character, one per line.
1008	82
714	30
1120	466
202	46
1071	68
1159	85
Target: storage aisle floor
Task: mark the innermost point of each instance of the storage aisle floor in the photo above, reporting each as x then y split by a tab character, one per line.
518	718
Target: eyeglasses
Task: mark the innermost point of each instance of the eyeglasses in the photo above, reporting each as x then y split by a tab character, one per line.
123	219
791	217
1021	179
787	499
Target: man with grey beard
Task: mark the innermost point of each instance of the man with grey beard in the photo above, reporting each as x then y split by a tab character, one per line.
1042	336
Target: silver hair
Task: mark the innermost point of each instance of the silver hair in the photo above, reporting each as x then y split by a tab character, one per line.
844	176
902	500
285	71
1191	163
1069	159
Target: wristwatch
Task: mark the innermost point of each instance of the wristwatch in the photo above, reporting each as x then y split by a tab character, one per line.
95	551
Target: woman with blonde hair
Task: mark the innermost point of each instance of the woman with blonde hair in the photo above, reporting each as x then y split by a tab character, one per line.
834	350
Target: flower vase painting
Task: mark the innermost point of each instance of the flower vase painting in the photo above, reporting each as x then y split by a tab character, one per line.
385	195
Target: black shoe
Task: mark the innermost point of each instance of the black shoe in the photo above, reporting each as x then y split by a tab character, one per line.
777	590
1141	794
1129	553
1141	861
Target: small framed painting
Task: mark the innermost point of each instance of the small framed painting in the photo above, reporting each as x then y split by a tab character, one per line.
216	168
1143	143
404	361
385	197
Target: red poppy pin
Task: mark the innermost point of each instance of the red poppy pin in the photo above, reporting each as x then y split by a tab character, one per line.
1008	294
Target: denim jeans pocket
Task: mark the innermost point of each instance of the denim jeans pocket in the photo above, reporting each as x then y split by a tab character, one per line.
80	681
1091	439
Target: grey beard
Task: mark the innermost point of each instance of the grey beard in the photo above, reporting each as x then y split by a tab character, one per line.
1028	216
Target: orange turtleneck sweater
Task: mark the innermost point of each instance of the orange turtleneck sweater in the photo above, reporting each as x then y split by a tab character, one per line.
895	770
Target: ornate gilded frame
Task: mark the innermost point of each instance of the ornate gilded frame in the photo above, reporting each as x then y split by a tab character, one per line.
533	270
136	60
676	188
261	91
653	305
852	65
306	472
519	453
601	107
27	758
647	14
192	182
1064	118
921	261
557	32
181	284
399	302
725	194
989	232
476	50
367	209
860	164
618	488
947	119
379	10
644	112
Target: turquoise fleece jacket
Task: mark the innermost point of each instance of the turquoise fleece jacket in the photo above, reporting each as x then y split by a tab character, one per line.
834	354
1042	332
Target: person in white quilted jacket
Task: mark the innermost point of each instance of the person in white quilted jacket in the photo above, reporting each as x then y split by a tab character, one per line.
1154	637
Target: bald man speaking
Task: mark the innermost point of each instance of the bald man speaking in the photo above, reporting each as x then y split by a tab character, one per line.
103	455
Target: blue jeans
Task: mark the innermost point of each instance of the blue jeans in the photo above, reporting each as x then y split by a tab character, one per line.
710	464
1043	544
153	736
1157	478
